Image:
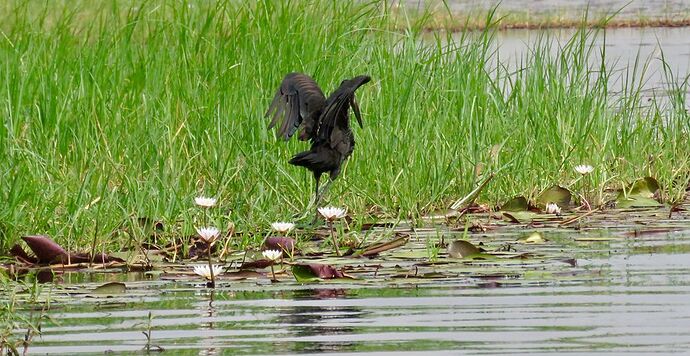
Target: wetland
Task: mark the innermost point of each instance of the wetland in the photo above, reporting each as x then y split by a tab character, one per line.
511	191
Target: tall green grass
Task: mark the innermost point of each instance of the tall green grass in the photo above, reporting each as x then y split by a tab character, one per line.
113	110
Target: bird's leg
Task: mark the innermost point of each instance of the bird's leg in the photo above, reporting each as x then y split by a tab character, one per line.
317	200
317	177
316	190
325	188
320	194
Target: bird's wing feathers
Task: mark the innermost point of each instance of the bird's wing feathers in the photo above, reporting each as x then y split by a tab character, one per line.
299	98
355	109
335	122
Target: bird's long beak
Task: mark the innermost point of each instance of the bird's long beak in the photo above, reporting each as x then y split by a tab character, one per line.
358	115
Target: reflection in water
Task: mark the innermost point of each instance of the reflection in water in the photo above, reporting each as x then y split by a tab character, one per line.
207	312
624	295
305	321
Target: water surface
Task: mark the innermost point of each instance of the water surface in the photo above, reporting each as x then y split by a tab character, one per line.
624	294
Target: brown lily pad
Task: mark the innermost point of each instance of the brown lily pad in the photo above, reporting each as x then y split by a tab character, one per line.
45	249
315	271
285	244
262	263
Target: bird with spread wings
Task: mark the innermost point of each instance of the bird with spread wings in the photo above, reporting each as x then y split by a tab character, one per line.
300	104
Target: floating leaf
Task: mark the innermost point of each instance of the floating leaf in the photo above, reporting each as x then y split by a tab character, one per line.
385	246
240	275
462	249
533	238
99	258
285	244
45	249
595	239
518	216
641	232
111	289
646	186
509	217
314	272
639	195
555	194
262	263
18	252
637	202
304	274
516	204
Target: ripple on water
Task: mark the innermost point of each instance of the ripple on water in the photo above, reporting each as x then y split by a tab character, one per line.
639	302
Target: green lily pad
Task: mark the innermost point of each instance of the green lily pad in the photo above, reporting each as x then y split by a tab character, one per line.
518	203
637	202
639	195
519	216
646	186
462	249
304	274
555	194
111	288
411	254
595	239
533	238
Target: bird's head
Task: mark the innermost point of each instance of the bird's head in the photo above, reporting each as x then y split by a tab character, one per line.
357	81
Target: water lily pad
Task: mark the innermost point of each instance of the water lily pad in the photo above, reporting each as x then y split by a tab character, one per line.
462	249
518	217
111	288
637	202
595	239
639	195
314	272
45	249
285	244
516	204
646	186
261	263
533	238
377	248
555	194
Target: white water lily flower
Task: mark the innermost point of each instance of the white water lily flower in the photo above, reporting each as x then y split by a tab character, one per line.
553	208
331	213
272	255
208	234
205	202
584	169
283	227
205	271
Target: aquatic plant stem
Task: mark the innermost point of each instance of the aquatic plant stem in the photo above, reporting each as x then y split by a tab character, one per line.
273	271
210	268
335	241
585	190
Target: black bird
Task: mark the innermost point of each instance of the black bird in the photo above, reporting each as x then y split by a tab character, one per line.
299	102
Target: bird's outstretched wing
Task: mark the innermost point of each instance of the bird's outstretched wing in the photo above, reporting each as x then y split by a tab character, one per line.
298	101
334	122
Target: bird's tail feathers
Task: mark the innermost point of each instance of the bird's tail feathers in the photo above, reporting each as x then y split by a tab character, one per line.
304	159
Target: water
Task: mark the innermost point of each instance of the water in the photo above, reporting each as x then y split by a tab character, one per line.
624	47
626	8
625	294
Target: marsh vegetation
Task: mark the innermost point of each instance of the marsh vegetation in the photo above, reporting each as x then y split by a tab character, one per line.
115	117
119	112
